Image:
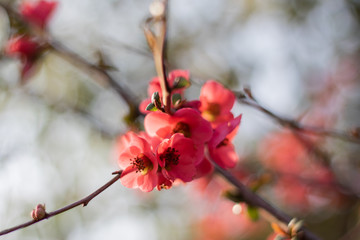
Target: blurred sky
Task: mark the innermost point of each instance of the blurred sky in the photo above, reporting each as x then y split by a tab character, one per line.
51	149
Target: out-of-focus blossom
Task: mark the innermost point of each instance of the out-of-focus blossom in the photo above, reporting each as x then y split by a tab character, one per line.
38	12
26	49
216	102
221	150
302	182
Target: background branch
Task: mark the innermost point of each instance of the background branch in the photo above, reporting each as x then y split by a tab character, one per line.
248	99
253	199
94	71
84	201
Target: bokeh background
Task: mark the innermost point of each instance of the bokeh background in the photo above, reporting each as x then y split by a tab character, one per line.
58	130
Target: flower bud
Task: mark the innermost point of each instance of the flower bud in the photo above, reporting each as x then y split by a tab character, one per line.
39	212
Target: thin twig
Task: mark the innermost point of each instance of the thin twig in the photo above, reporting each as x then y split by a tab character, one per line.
249	100
255	200
83	202
91	69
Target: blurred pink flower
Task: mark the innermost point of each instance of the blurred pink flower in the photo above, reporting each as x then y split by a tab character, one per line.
38	13
216	102
25	48
221	150
22	46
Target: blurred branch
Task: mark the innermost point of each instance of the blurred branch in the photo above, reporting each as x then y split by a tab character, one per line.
85	201
96	123
354	233
92	70
247	98
255	200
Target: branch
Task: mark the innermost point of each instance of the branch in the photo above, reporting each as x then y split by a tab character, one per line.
83	202
157	44
93	70
89	68
248	99
253	199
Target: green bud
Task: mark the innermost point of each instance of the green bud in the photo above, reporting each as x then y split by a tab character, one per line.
176	98
181	82
233	196
151	107
155	99
253	212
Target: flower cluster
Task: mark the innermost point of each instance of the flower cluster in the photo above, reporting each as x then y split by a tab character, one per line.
24	46
173	146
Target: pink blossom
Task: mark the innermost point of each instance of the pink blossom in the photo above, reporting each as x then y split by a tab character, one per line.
22	46
203	168
186	121
163	182
138	161
38	13
221	149
154	86
216	102
177	157
26	49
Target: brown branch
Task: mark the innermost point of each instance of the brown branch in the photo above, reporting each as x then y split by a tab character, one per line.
253	199
83	202
91	69
248	99
157	44
354	233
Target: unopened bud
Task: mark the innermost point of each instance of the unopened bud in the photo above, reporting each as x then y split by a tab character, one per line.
39	212
155	99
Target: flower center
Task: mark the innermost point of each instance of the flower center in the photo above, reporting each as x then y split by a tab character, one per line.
211	112
224	142
183	128
171	157
142	163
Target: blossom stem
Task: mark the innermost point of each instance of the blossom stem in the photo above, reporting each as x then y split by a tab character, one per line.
157	44
84	201
248	99
255	200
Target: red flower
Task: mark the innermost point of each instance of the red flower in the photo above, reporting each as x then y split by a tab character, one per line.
138	161
216	102
186	121
221	149
203	168
154	86
177	157
24	48
38	13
